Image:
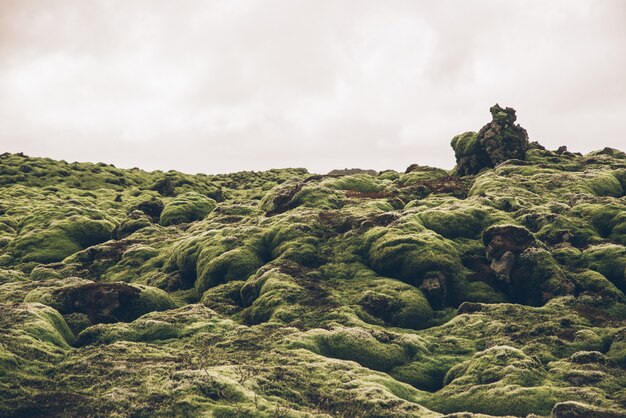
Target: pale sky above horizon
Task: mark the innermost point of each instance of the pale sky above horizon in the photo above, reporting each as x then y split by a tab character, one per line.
223	86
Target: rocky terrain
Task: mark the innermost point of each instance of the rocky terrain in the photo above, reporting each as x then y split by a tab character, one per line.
495	289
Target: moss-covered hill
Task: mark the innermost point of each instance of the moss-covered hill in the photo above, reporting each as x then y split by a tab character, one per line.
497	288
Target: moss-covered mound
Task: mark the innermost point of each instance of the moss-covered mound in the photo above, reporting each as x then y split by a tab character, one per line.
494	289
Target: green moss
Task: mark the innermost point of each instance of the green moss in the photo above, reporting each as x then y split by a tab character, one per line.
354	344
362	183
188	207
421	175
408	256
608	260
482	292
117	301
568	256
617	350
465	144
150	299
503	380
225	299
593	282
132	224
601	216
33	329
397	304
272	297
291	195
567	229
42	273
427	373
236	264
62	238
503	192
46	246
461	219
604	184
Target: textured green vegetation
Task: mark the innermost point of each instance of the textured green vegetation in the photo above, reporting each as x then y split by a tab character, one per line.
496	288
186	208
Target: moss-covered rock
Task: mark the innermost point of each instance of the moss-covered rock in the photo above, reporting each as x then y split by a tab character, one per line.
61	239
185	208
503	380
496	142
409	256
236	264
608	260
397	304
357	345
103	302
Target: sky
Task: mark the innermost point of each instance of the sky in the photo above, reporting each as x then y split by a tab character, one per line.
223	86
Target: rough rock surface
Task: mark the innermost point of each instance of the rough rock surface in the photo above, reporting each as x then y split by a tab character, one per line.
498	141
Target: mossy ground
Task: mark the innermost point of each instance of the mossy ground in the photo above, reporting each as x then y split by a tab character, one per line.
282	293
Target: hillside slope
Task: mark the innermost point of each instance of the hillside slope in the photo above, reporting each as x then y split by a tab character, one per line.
497	288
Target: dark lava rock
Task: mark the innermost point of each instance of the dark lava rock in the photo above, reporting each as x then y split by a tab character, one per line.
435	288
152	208
526	272
469	307
498	141
283	201
102	302
110	302
502	139
164	186
502	239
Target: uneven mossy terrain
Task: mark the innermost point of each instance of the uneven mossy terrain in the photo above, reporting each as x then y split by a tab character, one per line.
497	288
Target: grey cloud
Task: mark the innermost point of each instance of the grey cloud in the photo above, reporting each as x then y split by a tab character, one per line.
237	85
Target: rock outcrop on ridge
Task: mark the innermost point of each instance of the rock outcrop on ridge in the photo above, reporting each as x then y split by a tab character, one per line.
498	141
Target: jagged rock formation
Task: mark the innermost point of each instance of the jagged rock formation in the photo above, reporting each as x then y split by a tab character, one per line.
495	289
498	141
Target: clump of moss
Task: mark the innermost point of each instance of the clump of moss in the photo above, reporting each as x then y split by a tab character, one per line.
397	304
136	220
236	264
271	296
408	256
499	381
362	183
185	208
357	345
589	281
608	260
103	302
461	219
291	195
61	239
617	349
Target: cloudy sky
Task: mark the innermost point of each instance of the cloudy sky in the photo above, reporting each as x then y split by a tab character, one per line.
221	86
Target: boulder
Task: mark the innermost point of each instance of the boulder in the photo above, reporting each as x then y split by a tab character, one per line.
498	141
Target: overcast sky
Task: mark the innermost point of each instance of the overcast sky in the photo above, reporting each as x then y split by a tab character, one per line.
222	86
